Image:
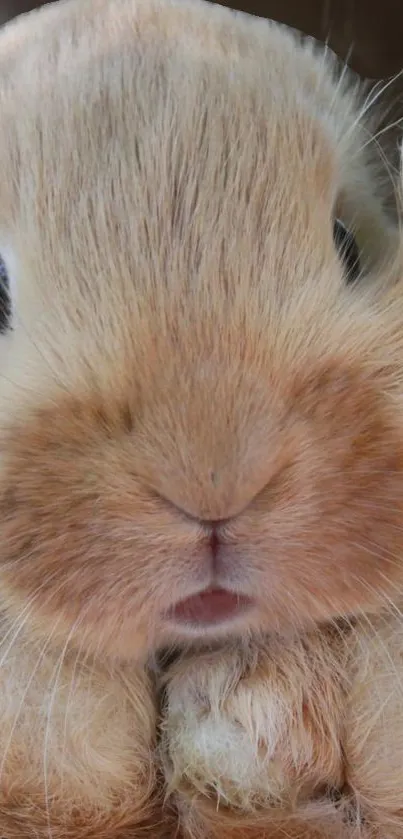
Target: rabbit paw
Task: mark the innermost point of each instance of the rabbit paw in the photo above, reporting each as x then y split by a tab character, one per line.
254	726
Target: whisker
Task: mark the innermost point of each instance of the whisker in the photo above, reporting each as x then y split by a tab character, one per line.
31	603
25	694
342	78
55	676
363	616
373	98
68	702
381	132
369	103
21	624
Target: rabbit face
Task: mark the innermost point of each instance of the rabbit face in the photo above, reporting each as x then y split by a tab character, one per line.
200	428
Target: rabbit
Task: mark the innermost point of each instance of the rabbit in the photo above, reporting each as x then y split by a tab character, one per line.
201	431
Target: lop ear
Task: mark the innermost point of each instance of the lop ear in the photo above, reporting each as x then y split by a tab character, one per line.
5	302
7	288
401	179
399	202
361	208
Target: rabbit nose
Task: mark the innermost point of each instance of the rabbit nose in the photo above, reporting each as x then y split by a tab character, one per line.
211	529
214	534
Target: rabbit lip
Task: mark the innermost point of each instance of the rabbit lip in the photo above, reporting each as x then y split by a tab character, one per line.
211	606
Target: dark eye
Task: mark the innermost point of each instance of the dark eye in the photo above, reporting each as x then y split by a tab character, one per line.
348	250
5	302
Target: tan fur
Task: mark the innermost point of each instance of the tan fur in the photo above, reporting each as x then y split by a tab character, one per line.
185	348
291	720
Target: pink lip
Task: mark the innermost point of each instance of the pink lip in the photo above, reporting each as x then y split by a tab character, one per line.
210	606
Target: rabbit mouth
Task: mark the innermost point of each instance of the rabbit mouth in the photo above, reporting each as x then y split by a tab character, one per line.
209	607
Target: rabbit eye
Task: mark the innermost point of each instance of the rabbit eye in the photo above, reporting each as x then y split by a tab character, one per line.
348	250
5	302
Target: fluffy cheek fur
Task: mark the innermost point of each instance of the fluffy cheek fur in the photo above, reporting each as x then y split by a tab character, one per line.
88	544
99	554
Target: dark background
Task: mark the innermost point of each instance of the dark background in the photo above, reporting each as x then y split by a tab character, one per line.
372	29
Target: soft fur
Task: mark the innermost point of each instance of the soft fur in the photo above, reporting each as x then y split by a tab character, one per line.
185	349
